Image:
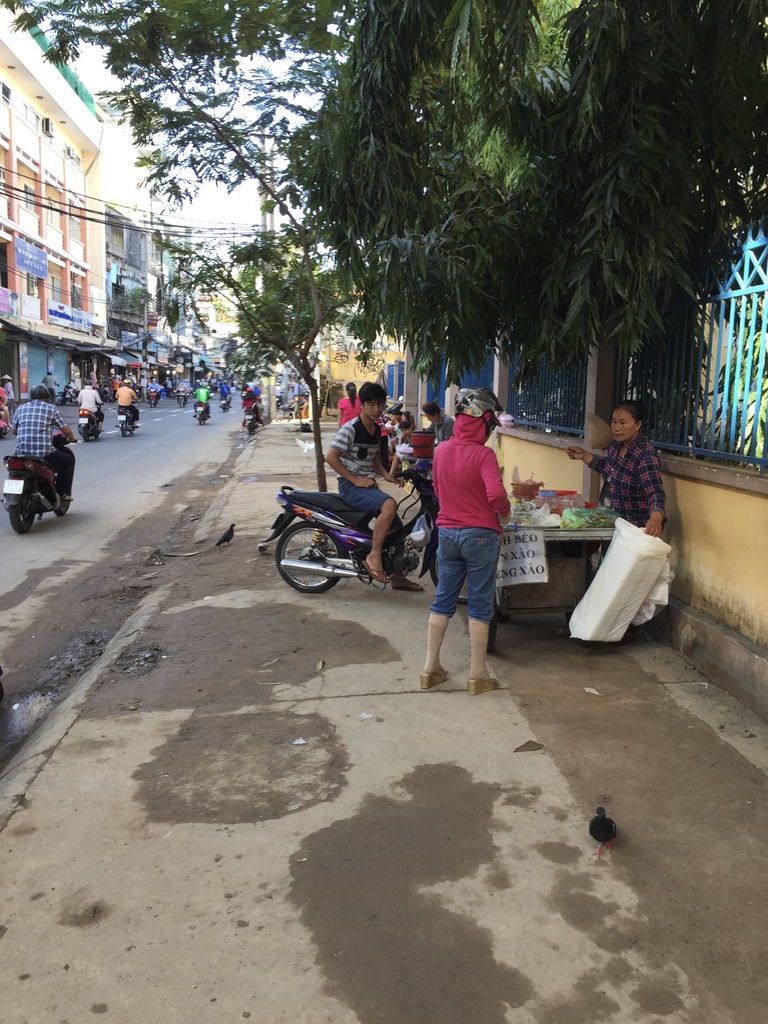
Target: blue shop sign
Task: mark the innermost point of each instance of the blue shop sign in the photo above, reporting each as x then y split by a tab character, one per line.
30	259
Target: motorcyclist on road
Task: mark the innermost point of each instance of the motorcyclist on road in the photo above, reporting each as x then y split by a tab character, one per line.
153	388
90	399
34	424
203	394
126	397
250	402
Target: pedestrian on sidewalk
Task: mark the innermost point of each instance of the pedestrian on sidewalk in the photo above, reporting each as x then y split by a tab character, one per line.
473	507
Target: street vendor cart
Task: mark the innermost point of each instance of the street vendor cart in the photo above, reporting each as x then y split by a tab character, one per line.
556	582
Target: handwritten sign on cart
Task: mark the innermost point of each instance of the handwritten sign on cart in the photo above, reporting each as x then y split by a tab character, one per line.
523	558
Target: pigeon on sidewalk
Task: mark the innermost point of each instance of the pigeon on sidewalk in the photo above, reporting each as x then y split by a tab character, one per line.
306	446
603	830
227	536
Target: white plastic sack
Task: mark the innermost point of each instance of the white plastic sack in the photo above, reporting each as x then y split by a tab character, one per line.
658	597
626	577
421	532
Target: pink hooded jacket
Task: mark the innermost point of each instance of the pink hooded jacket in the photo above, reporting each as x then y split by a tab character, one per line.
468	479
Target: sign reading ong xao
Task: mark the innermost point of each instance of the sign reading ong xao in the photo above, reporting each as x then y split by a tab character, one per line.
522	559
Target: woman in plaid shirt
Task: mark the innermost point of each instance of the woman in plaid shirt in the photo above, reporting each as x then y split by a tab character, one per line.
631	471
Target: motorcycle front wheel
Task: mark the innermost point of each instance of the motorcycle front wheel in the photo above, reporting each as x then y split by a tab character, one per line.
305	543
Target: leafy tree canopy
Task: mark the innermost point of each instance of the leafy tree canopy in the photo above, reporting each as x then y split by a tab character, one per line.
539	177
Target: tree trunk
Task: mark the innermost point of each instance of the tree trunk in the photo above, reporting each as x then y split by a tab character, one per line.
322	484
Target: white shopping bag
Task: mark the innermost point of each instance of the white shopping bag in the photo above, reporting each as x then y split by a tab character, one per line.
628	574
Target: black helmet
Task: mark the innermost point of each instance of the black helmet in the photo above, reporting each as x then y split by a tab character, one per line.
39	393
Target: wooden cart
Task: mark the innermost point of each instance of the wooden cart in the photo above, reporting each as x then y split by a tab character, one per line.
570	573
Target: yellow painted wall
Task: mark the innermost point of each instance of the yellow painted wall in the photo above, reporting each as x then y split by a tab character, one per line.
539	461
719	539
719	535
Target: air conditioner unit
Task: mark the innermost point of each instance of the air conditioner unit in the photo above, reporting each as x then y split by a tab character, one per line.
47	126
69	152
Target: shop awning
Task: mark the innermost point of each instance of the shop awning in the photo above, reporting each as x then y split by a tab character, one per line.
118	361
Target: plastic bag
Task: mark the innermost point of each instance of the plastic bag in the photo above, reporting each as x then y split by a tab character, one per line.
421	532
588	518
628	574
658	597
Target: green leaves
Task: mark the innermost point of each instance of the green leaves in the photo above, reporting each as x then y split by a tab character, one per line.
579	158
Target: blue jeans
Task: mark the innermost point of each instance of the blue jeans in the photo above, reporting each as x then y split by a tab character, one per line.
367	499
472	553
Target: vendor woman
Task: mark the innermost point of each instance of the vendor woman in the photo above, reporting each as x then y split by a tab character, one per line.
631	471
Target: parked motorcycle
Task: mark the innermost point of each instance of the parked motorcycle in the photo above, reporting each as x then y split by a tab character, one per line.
333	539
125	420
201	413
67	395
87	425
29	490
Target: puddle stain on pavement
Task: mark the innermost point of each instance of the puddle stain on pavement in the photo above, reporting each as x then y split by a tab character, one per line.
236	768
387	949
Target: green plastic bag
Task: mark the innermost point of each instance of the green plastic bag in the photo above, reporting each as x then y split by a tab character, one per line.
599	518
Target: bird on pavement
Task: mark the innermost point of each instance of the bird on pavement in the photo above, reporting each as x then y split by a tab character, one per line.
227	536
306	446
603	830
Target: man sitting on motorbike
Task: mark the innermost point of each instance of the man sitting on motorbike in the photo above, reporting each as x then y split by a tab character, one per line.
126	397
250	401
355	455
5	416
89	399
34	424
203	394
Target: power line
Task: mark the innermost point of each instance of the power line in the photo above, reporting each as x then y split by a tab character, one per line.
179	228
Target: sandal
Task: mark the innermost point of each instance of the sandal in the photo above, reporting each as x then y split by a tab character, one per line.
377	574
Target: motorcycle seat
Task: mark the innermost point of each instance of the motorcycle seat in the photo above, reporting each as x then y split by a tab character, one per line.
331	503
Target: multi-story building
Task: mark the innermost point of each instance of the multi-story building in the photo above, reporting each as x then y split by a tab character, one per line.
51	311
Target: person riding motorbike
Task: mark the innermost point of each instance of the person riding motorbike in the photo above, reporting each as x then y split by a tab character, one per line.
203	394
250	402
126	397
90	399
34	424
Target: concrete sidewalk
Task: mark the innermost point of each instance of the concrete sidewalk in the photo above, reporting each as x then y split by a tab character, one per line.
247	809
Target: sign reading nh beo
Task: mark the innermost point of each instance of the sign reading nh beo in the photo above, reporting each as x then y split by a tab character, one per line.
522	559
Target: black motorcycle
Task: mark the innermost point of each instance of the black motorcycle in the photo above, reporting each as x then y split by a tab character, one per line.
125	420
201	413
30	490
87	425
225	403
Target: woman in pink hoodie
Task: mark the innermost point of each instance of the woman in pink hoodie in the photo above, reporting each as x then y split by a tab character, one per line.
473	507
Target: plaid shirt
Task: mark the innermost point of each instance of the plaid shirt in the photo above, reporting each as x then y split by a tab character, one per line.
632	483
34	423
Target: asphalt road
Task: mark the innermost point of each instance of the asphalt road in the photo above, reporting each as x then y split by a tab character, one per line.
115	480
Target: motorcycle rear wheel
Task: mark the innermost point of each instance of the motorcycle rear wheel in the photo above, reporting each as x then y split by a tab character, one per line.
306	543
20	522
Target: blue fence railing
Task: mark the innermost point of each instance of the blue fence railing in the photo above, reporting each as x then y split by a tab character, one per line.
705	383
552	399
